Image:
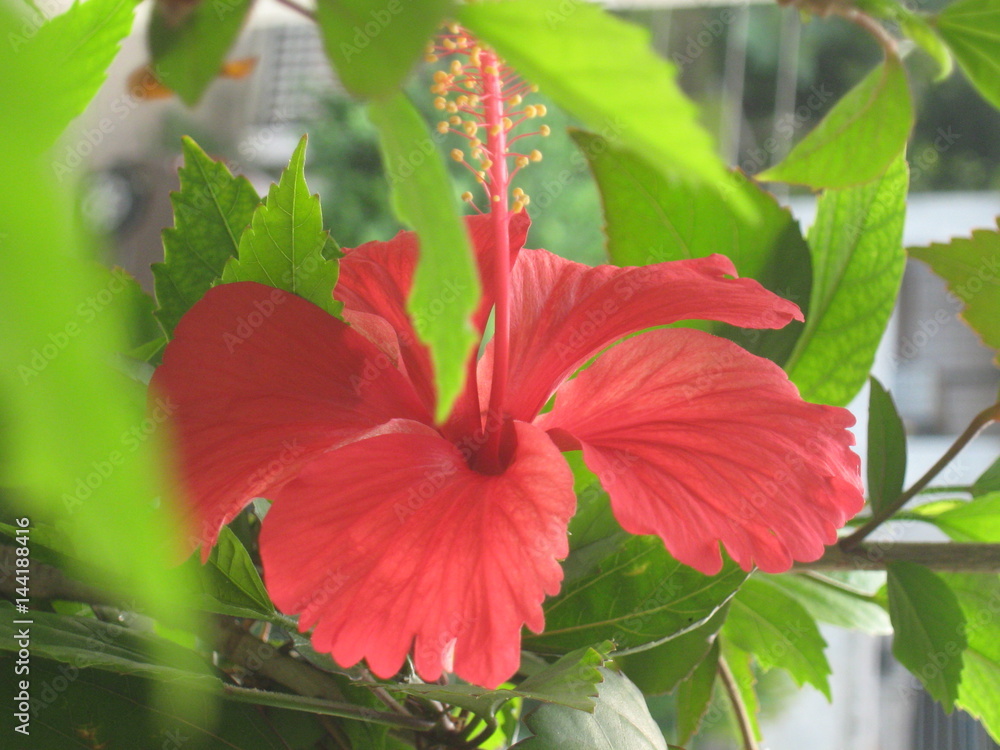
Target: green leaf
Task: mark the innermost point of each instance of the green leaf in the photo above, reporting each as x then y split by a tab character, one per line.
921	31
571	681
425	201
834	602
189	44
211	210
75	48
650	219
858	262
230	584
283	248
886	448
979	691
971	268
972	30
741	667
620	721
636	596
695	694
989	481
660	669
977	520
768	623
604	71
858	140
373	43
929	629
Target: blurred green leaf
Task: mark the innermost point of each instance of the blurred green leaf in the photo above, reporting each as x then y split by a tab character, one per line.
211	210
635	596
858	262
283	247
929	629
972	30
619	721
230	584
979	691
989	481
374	43
741	667
977	520
858	140
886	448
971	268
189	42
834	602
774	627
921	31
650	219
695	694
604	71
423	198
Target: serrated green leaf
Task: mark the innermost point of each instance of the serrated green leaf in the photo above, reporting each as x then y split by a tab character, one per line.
75	48
230	584
189	45
858	140
971	268
834	602
989	480
373	43
695	694
636	596
979	691
620	721
604	71
211	210
886	448
424	200
977	520
972	30
772	625
649	219
858	261
283	248
929	629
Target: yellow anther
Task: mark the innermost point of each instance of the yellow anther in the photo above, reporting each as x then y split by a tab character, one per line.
470	84
448	44
535	155
529	111
455	120
474	57
533	89
466	196
457	155
518	192
443	127
440	76
470	128
526	200
495	198
515	100
507	123
451	107
486	163
439	88
476	143
440	103
430	57
474	100
521	161
463	42
494	130
481	177
541	110
544	130
453	28
456	66
477	153
491	70
462	100
518	206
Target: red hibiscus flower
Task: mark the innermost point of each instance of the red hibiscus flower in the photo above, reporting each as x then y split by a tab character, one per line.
393	535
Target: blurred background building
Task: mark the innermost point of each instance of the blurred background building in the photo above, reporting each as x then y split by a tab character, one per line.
760	76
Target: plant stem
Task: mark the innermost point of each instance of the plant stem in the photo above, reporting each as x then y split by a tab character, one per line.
869	24
981	420
950	557
739	708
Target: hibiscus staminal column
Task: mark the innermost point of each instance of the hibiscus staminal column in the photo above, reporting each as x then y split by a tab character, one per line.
483	99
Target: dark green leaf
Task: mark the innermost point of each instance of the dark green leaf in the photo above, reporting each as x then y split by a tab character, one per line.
768	623
929	629
603	71
211	210
971	268
424	200
636	596
886	448
979	692
230	584
695	694
989	481
858	140
834	602
858	262
620	721
189	42
283	248
972	30
373	43
650	219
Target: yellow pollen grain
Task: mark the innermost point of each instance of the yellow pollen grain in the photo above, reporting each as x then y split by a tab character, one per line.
470	84
451	107
491	70
440	76
529	111
535	155
462	100
466	196
486	164
518	206
457	155
442	127
453	28
507	123
456	66
544	130
455	120
526	200
533	89
521	161
430	57
440	103
448	44
469	127
515	100
481	177
439	88
494	130
518	192
495	198
541	110
476	143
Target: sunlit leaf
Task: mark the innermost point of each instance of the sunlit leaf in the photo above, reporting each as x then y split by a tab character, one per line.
977	520
989	480
834	602
972	30
229	581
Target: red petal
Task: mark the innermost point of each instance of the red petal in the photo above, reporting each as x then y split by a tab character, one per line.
393	543
377	277
259	381
698	441
563	313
